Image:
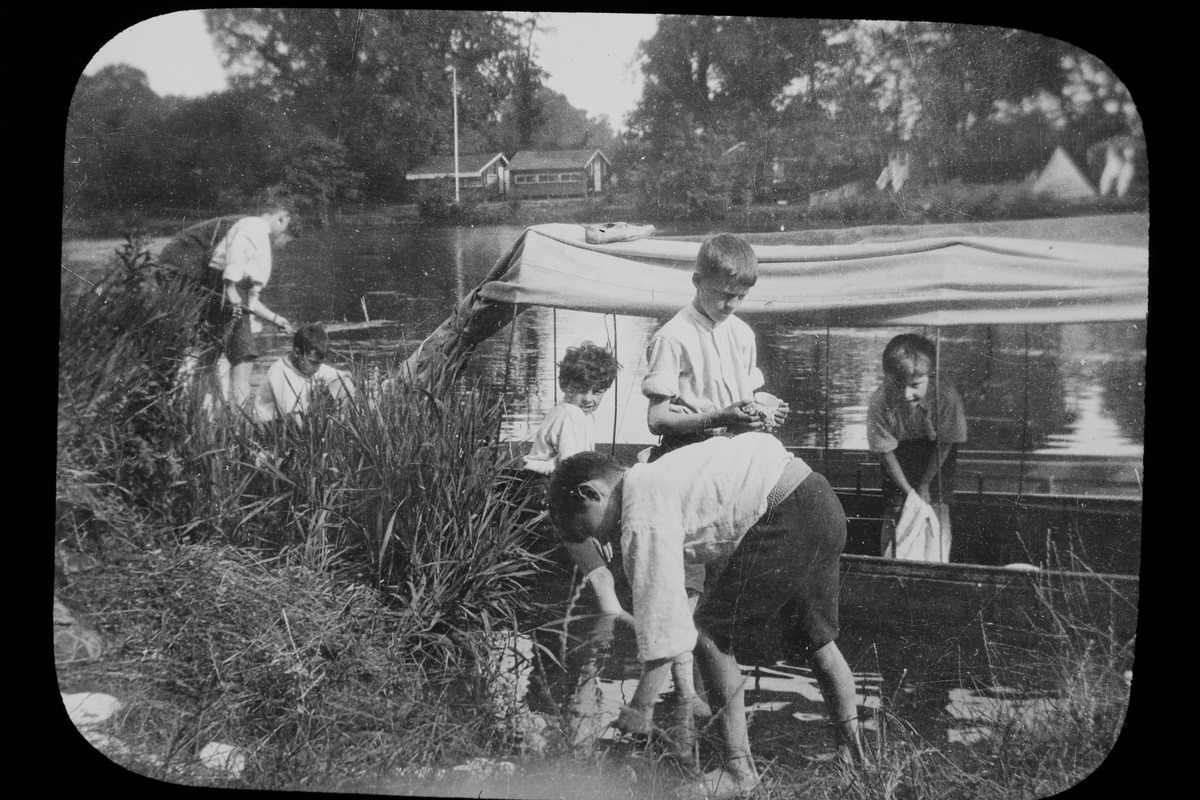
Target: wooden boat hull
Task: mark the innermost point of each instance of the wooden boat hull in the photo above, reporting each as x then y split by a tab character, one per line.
961	622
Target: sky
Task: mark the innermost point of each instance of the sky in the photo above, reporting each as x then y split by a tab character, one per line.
589	57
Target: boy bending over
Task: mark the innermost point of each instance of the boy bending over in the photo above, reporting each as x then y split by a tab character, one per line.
782	529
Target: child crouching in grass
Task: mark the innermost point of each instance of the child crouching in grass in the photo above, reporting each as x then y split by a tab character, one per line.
291	380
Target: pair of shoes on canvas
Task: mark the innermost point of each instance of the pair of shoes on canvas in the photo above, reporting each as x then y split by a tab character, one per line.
608	232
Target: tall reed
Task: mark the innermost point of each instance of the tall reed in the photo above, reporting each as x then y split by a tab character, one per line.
290	557
121	339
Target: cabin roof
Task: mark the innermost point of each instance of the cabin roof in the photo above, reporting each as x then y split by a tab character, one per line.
443	166
554	159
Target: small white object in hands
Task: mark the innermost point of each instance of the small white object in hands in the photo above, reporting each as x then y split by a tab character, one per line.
764	406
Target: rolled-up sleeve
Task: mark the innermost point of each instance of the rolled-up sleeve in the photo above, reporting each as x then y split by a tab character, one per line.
881	428
952	417
664	364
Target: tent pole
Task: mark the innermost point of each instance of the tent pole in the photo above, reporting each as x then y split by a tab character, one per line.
616	383
937	428
825	449
554	354
1024	420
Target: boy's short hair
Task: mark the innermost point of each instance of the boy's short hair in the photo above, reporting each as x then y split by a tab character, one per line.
905	348
311	338
564	502
727	257
588	366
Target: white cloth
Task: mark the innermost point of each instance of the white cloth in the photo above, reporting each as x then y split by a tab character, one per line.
919	534
702	366
565	431
700	499
286	391
244	257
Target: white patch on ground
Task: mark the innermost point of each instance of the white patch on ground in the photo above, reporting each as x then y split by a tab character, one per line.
89	709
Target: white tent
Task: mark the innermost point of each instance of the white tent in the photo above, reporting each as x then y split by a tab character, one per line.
1061	179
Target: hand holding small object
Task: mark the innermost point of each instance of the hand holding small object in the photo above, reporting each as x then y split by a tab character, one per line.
743	415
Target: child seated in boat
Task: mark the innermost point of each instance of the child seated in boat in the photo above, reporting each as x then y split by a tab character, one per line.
702	369
916	433
288	390
781	529
584	375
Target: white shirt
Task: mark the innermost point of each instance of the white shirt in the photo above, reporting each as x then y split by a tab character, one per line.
699	500
702	366
565	431
244	257
286	391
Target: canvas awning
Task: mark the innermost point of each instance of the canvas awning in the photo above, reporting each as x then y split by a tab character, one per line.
934	281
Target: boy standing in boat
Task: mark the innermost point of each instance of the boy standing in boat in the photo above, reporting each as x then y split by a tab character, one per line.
780	527
702	368
291	380
916	433
702	365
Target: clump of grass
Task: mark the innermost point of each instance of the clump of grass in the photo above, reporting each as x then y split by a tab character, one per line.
313	676
322	596
120	342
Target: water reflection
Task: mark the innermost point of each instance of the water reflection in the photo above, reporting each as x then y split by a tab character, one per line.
1069	389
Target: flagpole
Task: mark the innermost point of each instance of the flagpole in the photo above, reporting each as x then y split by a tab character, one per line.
454	73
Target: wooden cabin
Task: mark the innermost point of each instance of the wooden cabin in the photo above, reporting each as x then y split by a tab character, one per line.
484	176
559	173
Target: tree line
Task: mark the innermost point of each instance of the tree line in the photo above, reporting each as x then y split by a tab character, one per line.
331	106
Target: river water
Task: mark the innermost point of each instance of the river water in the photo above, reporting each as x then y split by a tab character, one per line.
1073	389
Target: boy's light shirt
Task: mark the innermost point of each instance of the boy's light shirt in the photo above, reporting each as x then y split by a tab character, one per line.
286	391
244	257
700	499
890	421
702	366
565	431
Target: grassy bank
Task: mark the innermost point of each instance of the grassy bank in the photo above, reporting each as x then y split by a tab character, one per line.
327	599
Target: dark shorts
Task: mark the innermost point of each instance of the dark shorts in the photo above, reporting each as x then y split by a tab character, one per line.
238	343
777	597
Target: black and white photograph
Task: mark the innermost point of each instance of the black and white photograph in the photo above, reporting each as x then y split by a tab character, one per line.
601	405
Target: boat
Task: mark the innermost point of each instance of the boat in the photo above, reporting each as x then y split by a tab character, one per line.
1025	586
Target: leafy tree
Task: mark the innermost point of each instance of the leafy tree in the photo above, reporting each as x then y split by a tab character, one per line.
112	158
937	81
560	126
376	80
315	173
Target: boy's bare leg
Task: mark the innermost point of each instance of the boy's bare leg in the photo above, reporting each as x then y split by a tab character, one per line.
726	687
239	383
837	687
638	716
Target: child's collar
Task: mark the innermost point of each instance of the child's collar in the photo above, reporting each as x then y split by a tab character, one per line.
698	314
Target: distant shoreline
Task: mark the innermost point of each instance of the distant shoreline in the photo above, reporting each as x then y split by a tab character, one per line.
761	218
